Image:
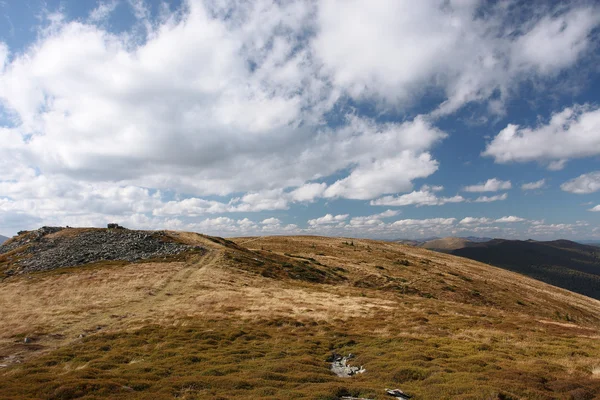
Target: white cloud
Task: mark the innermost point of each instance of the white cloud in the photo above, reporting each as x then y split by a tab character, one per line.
423	197
103	11
491	185
571	133
555	42
383	176
426	222
231	99
271	221
595	209
308	192
510	219
371	220
583	184
475	221
533	185
385	169
327	219
392	49
489	199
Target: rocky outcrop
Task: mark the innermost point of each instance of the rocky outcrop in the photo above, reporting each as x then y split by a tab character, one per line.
40	250
397	393
340	366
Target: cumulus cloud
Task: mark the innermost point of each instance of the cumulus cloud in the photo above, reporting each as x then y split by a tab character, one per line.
308	192
533	185
489	199
425	222
475	221
595	209
468	57
572	133
583	184
491	185
328	219
510	219
371	220
470	221
423	197
224	107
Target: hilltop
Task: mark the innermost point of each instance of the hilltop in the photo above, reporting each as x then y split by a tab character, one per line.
3	239
447	244
184	315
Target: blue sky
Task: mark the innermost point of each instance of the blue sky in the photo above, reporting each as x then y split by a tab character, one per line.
386	119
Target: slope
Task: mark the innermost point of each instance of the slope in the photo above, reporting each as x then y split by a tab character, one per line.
3	239
259	318
447	244
563	263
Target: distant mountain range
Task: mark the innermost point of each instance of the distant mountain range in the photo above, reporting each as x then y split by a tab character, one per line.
3	239
563	263
420	242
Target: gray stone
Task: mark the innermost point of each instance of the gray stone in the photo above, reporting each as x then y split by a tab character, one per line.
340	367
353	398
87	247
397	393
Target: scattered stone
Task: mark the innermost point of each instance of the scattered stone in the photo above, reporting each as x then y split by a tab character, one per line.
353	398
81	336
27	340
340	367
397	393
115	226
37	251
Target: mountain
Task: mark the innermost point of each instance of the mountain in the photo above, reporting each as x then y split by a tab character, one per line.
3	239
438	241
478	239
447	244
122	314
570	265
414	242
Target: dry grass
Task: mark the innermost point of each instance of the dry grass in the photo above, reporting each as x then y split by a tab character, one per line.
436	325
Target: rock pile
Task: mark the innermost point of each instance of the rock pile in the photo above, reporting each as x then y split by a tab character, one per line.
340	367
41	252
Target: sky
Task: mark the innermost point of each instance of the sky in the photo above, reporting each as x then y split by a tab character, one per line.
382	119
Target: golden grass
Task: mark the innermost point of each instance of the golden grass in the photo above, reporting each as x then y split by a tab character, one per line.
436	325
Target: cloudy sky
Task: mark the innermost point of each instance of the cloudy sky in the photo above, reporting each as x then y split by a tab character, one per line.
383	118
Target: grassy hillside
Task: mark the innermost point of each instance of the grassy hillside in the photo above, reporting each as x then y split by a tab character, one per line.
563	263
259	317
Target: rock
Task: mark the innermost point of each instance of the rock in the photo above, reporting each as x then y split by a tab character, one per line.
399	394
353	398
27	340
340	367
39	252
115	226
